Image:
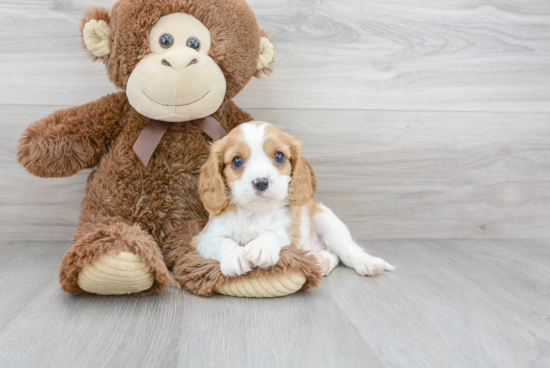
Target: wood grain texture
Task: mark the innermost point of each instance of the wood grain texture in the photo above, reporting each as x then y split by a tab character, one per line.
388	175
451	303
455	55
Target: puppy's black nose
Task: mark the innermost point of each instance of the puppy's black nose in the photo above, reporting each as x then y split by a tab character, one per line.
261	184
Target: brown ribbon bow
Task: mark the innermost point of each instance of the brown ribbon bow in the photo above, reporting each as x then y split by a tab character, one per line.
153	132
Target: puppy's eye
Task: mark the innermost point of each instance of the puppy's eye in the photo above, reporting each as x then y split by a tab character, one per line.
237	162
279	157
166	41
193	43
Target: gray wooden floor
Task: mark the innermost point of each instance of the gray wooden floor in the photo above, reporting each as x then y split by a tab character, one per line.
461	303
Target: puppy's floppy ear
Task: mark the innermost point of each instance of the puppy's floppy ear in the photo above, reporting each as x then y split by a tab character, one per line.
303	182
267	53
211	184
95	33
313	178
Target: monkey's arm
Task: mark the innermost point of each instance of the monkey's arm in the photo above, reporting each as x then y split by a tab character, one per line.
72	139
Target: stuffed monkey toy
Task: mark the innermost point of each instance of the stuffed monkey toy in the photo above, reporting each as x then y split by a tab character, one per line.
177	64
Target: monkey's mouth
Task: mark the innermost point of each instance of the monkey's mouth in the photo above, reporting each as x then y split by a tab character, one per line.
187	104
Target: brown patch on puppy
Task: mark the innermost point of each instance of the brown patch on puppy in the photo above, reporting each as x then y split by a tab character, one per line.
294	232
211	182
278	141
302	186
295	213
218	173
313	207
235	147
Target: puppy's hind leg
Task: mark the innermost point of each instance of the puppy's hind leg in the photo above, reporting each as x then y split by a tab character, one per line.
327	260
338	240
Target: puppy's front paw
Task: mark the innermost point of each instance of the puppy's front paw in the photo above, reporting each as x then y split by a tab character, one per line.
367	265
261	254
234	264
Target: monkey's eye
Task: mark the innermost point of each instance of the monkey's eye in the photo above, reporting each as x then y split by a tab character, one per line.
193	43
237	162
279	157
166	41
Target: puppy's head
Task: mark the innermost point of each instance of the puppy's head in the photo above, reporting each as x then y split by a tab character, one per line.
256	166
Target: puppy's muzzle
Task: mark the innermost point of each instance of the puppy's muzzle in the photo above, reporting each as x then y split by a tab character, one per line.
261	184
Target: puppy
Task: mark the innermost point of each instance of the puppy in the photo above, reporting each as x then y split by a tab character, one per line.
257	188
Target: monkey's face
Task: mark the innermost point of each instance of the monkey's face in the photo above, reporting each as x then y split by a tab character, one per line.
178	81
178	60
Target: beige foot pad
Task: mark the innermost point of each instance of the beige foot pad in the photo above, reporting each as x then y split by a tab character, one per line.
268	286
110	274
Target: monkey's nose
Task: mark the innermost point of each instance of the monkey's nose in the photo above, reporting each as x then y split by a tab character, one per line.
167	63
261	184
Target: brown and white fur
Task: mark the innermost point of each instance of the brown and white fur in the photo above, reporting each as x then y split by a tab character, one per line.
265	204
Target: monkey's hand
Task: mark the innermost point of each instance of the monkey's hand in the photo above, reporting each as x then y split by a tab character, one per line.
72	139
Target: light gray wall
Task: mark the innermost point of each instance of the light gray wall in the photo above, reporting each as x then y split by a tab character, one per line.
422	119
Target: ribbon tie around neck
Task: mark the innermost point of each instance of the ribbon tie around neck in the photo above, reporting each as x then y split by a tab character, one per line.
153	132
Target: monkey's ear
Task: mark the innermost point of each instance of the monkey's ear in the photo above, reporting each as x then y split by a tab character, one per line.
267	52
95	32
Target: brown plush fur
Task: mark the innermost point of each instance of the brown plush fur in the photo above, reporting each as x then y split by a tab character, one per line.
232	24
201	276
151	211
72	139
94	240
160	198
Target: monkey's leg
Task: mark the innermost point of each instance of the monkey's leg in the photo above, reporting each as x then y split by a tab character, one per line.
113	259
180	238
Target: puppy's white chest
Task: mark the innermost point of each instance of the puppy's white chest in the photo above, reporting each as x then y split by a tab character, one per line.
249	226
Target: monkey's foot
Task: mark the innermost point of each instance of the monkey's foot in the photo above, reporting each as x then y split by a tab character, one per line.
113	259
110	274
296	270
